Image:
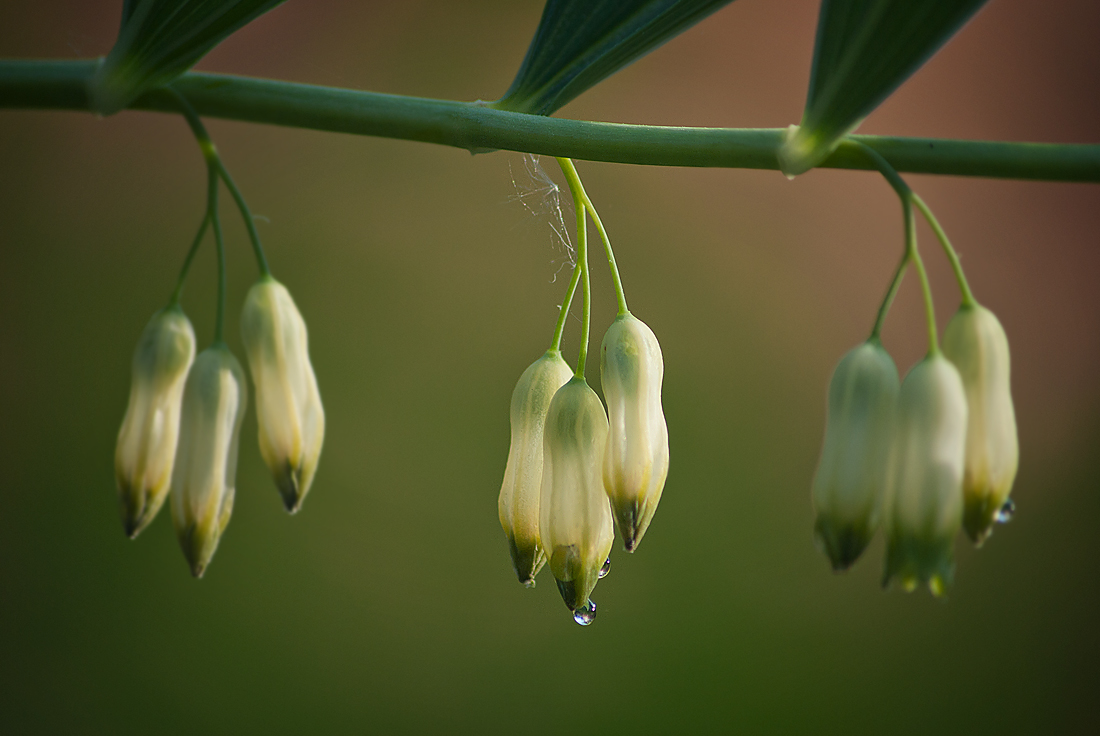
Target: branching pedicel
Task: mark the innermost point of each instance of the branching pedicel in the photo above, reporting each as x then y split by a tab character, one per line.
206	412
941	450
570	471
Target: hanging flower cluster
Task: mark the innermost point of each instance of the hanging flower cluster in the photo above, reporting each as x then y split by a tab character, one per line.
575	470
926	457
182	426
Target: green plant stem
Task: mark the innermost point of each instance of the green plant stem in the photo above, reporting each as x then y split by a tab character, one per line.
178	291
62	85
577	191
210	153
215	221
905	194
563	313
884	308
925	286
576	186
964	287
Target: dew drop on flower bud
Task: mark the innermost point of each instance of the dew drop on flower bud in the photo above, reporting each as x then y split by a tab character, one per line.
586	614
605	569
1004	514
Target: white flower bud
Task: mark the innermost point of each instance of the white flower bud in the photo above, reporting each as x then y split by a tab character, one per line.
518	504
146	446
289	414
636	460
203	481
851	475
976	343
574	515
925	497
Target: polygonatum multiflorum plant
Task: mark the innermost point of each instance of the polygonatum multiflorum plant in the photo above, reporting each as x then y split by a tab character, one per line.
921	457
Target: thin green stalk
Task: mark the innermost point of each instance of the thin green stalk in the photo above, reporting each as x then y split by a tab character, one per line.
178	292
62	85
215	221
926	288
905	194
895	284
575	185
615	278
563	313
210	153
577	191
967	296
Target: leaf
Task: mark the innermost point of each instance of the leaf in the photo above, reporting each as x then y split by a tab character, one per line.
160	40
579	43
865	49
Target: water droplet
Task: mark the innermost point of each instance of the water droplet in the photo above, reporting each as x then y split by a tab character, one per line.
1004	514
606	568
586	614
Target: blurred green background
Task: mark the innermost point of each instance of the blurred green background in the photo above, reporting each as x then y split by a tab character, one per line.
389	605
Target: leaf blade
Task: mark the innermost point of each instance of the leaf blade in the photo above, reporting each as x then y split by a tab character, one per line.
161	39
579	43
865	50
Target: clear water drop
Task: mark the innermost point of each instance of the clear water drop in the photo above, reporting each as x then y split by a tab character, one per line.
606	568
586	614
1004	514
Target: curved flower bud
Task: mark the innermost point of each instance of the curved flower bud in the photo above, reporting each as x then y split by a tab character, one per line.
851	475
925	495
518	504
289	414
574	514
203	481
636	461
976	343
146	446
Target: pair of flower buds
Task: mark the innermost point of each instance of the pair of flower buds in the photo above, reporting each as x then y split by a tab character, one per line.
937	452
182	425
570	469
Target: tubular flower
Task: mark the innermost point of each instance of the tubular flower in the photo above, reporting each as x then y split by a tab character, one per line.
203	481
976	343
146	446
925	496
635	463
290	417
574	515
518	504
851	475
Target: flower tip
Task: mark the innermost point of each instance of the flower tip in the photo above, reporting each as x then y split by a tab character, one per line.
842	544
527	560
132	527
291	488
626	516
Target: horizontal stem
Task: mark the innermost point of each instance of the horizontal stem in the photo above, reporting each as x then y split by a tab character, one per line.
62	85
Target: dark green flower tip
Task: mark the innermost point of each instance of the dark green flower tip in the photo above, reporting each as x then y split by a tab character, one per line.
843	543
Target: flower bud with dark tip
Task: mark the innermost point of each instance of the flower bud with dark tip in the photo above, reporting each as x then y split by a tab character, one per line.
976	343
851	475
146	447
203	480
925	498
518	504
574	515
635	463
289	414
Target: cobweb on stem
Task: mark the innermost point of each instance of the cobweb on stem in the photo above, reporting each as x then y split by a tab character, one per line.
541	198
